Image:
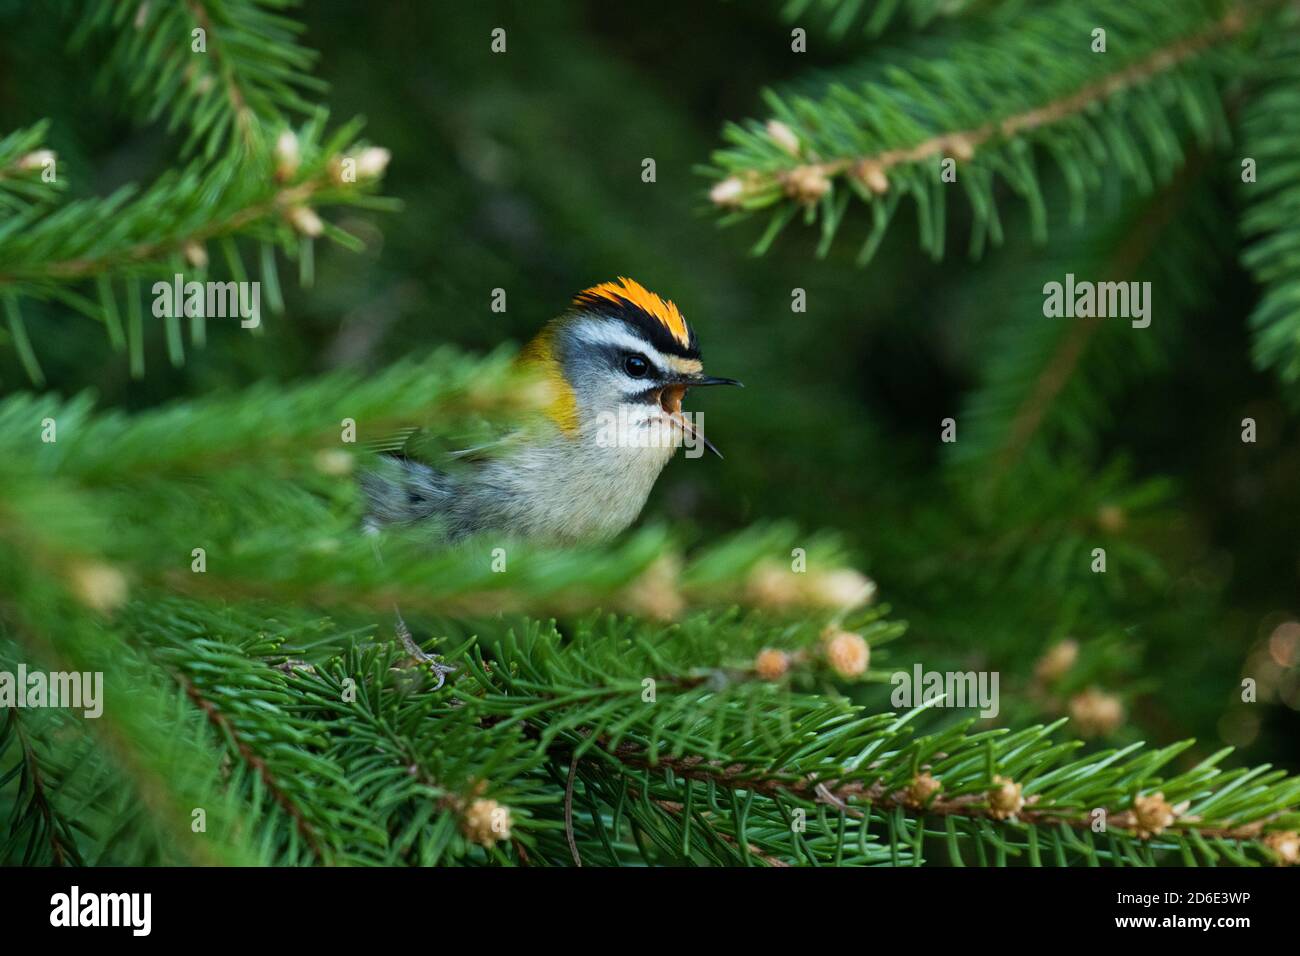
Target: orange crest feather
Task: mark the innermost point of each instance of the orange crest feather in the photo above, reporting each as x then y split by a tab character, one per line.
629	290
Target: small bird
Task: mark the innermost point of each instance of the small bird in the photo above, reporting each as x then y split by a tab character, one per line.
615	367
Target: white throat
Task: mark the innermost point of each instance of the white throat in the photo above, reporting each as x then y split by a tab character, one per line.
588	486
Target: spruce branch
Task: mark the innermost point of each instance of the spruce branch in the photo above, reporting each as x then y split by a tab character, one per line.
984	102
1146	817
856	798
298	425
40	816
23	161
860	765
226	69
135	237
1268	130
876	16
257	764
48	251
230	70
700	772
159	766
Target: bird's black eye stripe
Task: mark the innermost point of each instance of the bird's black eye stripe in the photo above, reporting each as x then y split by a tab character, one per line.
632	364
636	365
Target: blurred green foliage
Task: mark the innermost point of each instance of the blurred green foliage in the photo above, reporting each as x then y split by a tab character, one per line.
522	172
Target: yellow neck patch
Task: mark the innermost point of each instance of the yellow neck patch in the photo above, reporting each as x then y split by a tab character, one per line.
638	295
562	404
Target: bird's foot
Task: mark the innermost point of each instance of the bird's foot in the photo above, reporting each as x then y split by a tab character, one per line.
440	669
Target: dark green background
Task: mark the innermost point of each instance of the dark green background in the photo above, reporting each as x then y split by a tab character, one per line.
523	171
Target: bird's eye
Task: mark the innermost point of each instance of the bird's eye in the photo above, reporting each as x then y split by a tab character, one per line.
638	366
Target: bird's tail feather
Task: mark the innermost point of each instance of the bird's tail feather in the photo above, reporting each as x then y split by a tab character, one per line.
401	491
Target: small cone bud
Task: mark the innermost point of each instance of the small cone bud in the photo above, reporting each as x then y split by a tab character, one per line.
305	220
287	155
806	184
847	653
372	161
35	160
486	822
841	589
1059	658
654	593
333	461
1153	815
1096	712
961	148
100	587
873	177
1285	846
921	789
771	664
772	586
783	136
1005	798
727	192
196	254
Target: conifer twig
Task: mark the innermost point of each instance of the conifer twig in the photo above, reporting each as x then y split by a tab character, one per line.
850	796
227	730
963	143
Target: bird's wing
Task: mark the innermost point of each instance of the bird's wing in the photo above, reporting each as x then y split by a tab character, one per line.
393	443
492	448
472	441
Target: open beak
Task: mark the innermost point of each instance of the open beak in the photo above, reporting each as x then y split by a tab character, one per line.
711	380
670	400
